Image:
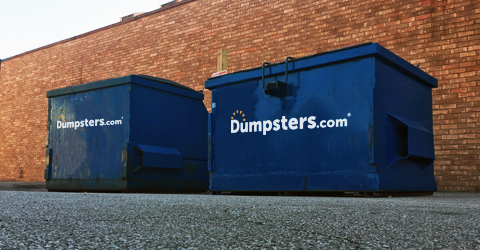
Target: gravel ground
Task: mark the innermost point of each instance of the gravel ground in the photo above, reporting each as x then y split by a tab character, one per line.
41	220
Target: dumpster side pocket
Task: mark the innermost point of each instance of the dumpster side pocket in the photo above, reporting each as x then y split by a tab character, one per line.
413	140
161	157
136	157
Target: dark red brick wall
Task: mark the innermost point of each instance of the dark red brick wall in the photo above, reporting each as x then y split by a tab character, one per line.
180	42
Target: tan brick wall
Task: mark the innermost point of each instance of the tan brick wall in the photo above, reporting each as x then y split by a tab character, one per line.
180	43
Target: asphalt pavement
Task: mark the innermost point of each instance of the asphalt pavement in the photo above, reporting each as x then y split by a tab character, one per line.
48	220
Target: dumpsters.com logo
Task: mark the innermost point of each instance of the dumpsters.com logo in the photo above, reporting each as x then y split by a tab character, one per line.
62	124
309	122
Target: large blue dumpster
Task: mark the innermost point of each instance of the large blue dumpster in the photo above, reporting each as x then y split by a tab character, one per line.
357	119
132	133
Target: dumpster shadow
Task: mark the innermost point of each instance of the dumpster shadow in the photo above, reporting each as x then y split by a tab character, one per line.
32	186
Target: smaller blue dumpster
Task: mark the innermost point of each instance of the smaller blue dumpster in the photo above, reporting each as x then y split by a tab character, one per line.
357	119
132	133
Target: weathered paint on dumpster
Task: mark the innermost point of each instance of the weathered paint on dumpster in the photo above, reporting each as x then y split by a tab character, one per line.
133	133
355	119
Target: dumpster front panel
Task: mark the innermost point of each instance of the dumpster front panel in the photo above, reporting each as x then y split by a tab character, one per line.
366	116
132	133
87	130
313	139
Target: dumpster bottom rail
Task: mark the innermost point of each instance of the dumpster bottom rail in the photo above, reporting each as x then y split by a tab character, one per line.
323	193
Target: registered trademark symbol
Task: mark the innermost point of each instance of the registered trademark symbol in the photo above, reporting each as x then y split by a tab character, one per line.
349	114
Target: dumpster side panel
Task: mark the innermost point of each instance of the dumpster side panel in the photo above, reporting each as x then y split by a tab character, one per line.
178	119
169	123
87	130
315	139
404	130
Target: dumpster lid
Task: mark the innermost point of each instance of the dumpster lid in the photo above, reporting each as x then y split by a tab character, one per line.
328	57
143	80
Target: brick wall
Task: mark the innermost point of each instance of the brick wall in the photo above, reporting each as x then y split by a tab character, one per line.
180	42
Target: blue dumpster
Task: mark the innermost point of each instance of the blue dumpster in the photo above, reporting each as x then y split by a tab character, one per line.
357	119
132	133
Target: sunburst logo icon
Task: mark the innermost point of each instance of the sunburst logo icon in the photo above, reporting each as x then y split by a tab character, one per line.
238	114
61	118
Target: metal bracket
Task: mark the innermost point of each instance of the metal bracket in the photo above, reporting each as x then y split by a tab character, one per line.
48	165
210	142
